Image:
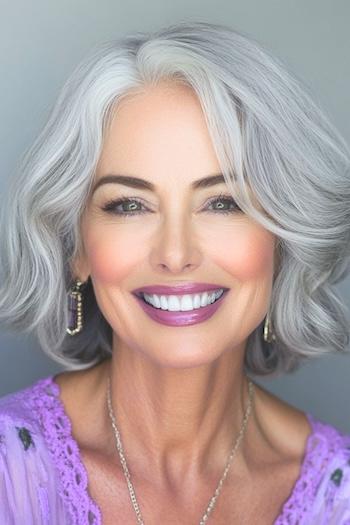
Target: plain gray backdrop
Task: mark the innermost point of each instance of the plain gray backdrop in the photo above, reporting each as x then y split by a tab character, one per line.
41	41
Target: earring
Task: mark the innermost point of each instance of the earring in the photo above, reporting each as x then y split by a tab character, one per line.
75	309
269	335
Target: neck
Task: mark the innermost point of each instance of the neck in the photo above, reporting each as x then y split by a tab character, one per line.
177	422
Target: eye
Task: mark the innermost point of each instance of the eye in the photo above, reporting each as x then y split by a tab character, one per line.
222	198
129	206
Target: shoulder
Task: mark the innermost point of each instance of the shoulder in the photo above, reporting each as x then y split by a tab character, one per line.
28	419
330	444
25	460
17	414
321	493
21	411
327	472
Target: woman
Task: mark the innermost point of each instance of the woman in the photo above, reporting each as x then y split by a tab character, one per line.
192	202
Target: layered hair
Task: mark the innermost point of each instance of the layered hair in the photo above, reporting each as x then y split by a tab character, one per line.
272	141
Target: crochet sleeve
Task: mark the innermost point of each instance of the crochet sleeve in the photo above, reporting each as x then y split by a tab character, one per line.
332	505
321	495
28	482
43	480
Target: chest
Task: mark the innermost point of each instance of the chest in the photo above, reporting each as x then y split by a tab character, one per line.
258	499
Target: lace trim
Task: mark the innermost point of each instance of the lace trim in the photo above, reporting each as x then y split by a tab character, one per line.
57	431
65	451
320	447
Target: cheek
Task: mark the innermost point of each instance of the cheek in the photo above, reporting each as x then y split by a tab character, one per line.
248	254
111	261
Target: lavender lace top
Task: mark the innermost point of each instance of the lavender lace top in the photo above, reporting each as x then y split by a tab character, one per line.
43	480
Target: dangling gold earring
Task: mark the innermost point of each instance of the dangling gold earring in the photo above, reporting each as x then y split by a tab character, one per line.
75	319
269	335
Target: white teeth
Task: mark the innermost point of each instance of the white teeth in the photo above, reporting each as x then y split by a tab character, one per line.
182	303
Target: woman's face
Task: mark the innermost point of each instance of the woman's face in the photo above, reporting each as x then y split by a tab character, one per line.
161	136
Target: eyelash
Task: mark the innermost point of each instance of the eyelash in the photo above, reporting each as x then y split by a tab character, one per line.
109	207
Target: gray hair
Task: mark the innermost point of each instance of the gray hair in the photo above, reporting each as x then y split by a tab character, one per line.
270	137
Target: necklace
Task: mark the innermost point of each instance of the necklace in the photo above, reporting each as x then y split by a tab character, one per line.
228	463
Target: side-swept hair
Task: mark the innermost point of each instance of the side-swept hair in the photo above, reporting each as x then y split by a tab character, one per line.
270	137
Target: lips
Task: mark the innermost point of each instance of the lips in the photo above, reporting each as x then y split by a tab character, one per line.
182	318
180	289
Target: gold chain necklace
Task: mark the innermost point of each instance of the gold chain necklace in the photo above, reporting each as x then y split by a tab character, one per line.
228	463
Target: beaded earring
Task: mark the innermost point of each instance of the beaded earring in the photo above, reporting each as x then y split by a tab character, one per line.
75	319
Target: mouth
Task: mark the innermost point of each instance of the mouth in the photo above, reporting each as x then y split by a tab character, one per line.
186	313
164	305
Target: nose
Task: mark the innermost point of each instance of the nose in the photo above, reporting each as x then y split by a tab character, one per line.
176	248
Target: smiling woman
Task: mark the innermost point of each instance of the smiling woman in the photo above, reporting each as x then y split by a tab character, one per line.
177	227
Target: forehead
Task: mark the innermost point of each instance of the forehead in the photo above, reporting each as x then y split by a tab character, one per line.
156	131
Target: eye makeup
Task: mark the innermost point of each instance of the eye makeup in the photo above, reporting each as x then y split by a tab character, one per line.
111	205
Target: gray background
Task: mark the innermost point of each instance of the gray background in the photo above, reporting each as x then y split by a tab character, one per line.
40	43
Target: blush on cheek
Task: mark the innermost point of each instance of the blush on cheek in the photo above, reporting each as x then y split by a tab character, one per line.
249	257
257	259
111	262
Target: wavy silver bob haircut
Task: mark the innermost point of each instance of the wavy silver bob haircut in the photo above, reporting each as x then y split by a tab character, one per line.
270	137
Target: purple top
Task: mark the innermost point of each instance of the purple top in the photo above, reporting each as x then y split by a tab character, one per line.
43	480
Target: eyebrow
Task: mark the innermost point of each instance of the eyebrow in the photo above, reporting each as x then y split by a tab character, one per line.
142	184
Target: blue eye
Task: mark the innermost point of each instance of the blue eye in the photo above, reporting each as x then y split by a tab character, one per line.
228	200
129	206
111	206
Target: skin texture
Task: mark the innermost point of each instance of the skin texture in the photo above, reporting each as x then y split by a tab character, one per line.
179	393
